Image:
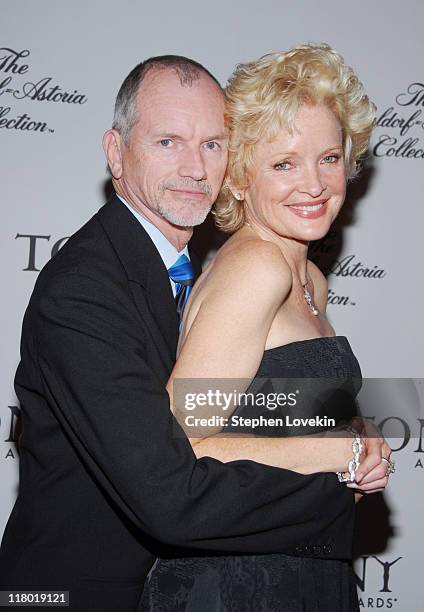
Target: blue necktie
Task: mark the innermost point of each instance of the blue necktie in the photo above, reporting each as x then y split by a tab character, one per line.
181	272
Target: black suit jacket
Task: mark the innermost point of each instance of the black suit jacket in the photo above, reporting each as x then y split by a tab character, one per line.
104	483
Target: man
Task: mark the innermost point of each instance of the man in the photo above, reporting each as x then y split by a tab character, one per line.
105	485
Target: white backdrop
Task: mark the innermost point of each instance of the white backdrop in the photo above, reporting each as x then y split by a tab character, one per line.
53	179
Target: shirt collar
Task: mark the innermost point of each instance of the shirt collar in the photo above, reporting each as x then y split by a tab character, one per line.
167	251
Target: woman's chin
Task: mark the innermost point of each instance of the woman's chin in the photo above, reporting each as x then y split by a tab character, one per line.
315	234
308	234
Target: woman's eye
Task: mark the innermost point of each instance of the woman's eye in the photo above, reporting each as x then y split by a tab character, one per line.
282	166
331	159
165	142
212	145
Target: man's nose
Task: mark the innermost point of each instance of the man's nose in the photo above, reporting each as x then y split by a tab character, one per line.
192	165
313	183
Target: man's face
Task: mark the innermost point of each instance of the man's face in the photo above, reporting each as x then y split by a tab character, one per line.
174	163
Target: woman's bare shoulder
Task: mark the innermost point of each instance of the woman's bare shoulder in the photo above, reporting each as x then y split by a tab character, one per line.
250	260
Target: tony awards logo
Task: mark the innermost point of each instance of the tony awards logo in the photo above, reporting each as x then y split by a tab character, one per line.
9	428
33	243
380	570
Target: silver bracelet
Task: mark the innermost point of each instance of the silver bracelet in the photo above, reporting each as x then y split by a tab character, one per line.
354	463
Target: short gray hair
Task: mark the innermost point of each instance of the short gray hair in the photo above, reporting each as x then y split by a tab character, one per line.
188	71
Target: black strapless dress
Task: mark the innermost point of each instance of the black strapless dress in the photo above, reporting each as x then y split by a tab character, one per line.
328	375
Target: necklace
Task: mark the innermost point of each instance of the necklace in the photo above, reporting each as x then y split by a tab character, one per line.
309	300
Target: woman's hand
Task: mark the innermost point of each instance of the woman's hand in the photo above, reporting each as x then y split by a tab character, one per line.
372	475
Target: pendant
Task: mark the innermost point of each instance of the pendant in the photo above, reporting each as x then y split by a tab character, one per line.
309	301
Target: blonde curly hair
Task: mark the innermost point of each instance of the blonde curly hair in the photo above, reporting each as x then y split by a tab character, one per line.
263	97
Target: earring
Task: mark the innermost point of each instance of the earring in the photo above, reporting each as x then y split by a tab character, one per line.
237	195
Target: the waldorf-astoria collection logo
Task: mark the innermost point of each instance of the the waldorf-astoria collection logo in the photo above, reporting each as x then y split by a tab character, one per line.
402	125
17	85
349	266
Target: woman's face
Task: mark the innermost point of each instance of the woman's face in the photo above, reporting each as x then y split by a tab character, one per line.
300	179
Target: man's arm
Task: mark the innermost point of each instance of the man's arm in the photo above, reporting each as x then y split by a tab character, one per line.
116	413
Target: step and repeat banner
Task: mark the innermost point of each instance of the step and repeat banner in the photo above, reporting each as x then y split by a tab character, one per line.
61	65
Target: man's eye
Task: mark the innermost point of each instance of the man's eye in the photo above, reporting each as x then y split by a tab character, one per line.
212	145
282	166
165	142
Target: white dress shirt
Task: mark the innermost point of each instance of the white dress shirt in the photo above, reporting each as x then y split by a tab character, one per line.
166	250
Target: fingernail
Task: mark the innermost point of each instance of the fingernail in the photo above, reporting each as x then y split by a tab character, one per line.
352	485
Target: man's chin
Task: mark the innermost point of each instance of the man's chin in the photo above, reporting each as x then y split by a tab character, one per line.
186	219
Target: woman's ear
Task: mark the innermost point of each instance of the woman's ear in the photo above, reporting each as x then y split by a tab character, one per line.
237	193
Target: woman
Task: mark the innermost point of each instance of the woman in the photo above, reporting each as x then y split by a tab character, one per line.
299	122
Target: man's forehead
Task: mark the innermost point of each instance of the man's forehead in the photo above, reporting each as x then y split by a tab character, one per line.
166	106
161	82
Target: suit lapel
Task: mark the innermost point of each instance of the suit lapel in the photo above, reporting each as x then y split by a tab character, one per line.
144	268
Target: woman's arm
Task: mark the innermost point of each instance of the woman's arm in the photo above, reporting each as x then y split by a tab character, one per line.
227	340
307	455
